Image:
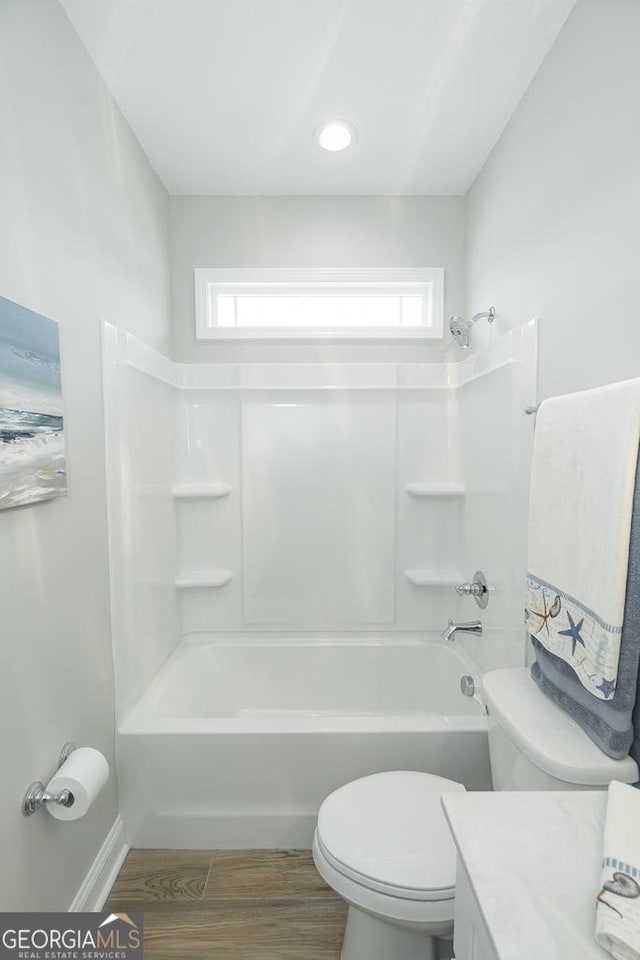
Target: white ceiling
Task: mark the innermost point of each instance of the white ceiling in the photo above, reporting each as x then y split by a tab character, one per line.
224	95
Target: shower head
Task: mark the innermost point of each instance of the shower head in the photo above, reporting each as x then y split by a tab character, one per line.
461	329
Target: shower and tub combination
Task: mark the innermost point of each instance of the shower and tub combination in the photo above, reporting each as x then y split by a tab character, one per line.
285	544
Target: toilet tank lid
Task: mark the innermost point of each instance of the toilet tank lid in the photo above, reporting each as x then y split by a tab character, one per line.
547	736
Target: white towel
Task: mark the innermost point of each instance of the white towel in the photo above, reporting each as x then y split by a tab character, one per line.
618	905
582	483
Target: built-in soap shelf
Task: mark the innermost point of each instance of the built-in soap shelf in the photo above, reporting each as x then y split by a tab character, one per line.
430	578
435	489
201	491
193	579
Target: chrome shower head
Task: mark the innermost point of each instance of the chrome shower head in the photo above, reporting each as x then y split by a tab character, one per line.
461	329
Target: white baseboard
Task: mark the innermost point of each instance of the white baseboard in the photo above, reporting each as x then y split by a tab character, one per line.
96	886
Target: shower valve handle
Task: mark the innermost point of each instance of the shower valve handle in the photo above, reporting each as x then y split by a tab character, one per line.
478	588
471	590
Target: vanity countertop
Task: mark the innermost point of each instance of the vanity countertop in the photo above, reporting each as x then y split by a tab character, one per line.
534	861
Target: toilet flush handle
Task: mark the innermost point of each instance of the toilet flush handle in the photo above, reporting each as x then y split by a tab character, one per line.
467	686
468	689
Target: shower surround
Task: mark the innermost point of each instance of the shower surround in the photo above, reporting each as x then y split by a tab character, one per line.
284	542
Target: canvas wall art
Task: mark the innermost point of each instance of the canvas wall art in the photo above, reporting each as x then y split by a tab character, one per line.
32	460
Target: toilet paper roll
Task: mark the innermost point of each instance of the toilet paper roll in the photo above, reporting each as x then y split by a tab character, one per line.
84	774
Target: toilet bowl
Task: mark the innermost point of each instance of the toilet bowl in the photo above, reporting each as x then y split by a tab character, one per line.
383	844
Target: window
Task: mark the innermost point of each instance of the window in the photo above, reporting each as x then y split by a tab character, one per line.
310	304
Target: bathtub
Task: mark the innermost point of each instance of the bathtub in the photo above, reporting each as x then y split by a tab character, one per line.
236	743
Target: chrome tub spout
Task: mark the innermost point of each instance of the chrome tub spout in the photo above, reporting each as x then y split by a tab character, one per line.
469	626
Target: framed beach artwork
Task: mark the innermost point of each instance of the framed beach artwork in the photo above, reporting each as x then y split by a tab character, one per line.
32	460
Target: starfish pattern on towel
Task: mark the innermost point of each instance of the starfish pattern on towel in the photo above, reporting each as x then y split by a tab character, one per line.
552	612
608	688
573	632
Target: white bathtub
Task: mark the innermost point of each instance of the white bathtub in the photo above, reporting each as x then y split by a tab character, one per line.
236	743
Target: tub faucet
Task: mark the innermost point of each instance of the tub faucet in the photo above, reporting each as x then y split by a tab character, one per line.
469	626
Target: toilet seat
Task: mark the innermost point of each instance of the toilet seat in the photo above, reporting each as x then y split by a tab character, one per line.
387	833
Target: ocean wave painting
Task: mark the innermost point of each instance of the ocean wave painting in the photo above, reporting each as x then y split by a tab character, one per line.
32	457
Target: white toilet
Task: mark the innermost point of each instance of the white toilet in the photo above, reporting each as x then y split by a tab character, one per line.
382	841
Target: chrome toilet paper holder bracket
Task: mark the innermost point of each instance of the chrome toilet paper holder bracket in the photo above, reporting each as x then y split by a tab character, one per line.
37	796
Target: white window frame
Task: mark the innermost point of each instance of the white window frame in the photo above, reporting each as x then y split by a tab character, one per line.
429	279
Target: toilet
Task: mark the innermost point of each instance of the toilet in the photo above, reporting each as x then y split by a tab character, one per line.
382	842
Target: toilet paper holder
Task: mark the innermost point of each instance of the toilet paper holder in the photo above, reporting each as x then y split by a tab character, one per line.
37	796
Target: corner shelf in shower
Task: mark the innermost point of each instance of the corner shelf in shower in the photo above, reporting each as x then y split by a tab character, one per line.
429	578
193	579
201	491
435	489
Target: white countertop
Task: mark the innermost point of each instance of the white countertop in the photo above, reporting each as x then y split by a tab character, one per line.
535	862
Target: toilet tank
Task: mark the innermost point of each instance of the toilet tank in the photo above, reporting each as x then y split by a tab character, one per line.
534	745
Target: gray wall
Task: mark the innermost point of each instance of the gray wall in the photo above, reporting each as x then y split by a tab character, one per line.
554	217
311	232
84	238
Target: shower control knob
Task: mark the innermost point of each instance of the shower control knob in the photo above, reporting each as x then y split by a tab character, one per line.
471	590
478	588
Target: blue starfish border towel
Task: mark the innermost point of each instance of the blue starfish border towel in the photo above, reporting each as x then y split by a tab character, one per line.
613	724
582	488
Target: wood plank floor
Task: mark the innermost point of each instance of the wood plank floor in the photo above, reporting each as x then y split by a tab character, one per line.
230	905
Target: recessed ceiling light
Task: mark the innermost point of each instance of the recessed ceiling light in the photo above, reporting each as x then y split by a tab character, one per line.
335	135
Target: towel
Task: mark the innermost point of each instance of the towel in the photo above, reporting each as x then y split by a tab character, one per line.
634	749
610	723
618	903
582	485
